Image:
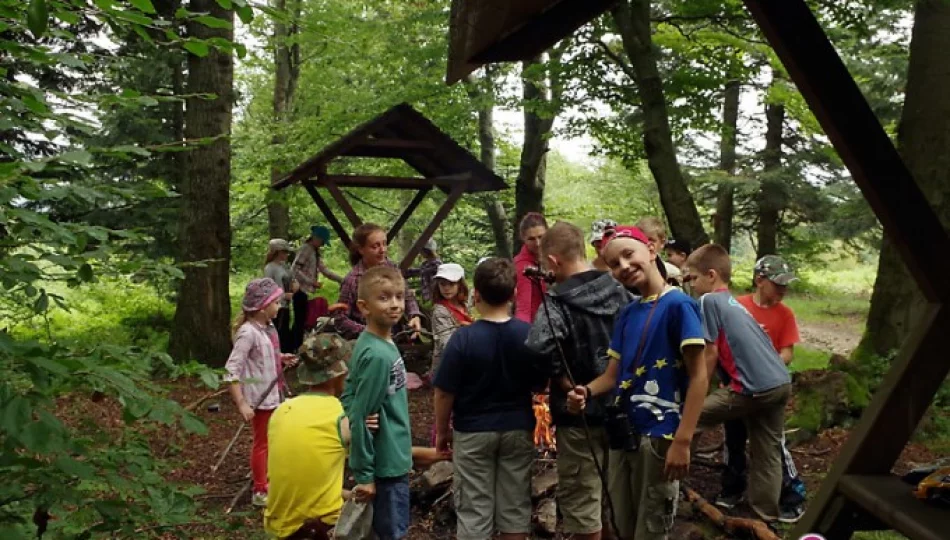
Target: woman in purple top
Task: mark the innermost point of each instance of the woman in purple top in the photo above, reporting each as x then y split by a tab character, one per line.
367	250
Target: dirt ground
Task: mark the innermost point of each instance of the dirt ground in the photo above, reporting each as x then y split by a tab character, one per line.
840	338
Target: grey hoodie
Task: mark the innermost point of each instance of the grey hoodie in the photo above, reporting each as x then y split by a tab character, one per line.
582	313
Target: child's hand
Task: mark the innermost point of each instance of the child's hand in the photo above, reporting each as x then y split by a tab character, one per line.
677	460
365	492
246	411
576	400
289	359
372	423
443	442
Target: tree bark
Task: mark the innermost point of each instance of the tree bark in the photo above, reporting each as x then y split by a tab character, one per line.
632	18
485	104
529	186
286	73
203	312
772	195
725	204
923	140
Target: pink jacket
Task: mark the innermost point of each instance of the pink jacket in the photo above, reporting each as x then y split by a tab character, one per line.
527	295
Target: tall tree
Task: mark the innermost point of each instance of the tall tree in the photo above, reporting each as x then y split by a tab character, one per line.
772	194
203	310
924	142
632	18
725	196
286	73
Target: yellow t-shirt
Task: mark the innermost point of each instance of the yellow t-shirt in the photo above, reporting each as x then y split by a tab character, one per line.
305	463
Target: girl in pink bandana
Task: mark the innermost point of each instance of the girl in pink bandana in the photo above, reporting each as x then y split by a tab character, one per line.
254	363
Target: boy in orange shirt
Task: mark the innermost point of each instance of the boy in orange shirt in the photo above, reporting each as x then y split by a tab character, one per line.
771	277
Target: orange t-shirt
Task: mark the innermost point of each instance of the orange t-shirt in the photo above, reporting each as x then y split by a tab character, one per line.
778	322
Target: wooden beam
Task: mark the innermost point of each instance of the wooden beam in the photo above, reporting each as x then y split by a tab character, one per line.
404	216
393	182
430	229
341	201
389	148
889	500
328	213
862	143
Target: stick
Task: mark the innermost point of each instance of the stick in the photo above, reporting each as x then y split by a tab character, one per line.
811	453
757	528
240	428
194	406
238	496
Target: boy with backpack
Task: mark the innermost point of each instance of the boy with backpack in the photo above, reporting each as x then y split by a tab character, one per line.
484	384
578	321
757	383
657	377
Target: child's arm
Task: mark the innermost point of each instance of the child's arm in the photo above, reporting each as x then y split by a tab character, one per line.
341	319
787	354
677	459
577	398
711	357
235	369
369	392
238	396
443	411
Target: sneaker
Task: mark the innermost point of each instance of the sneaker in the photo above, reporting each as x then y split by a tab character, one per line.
791	514
726	500
259	499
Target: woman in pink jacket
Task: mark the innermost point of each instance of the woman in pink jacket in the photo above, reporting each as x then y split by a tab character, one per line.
527	293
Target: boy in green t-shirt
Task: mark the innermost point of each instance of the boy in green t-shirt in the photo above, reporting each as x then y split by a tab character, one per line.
376	384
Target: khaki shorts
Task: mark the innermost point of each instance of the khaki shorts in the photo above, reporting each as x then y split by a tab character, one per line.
492	483
579	488
645	500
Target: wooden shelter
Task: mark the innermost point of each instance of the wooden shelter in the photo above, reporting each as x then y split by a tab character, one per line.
399	133
859	492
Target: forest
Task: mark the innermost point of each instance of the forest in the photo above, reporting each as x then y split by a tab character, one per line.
139	141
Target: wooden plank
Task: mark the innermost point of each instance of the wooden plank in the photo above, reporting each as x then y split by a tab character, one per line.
892	416
328	213
862	143
889	500
390	182
341	201
430	229
406	213
389	148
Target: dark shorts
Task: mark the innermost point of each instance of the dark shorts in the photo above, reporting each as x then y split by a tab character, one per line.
391	508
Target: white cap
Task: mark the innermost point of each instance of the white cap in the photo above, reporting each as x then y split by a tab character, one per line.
450	272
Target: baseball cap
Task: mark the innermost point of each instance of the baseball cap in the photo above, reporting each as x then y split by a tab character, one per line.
624	231
597	229
279	244
430	245
323	357
321	232
450	272
678	245
775	269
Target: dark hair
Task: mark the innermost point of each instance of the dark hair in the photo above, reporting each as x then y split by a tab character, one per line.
564	239
712	257
461	297
376	275
530	220
495	280
360	235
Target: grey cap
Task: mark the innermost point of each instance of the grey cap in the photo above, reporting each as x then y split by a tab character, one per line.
430	245
279	244
775	269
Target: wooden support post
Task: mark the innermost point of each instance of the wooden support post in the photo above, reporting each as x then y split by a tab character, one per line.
341	201
437	219
404	216
328	213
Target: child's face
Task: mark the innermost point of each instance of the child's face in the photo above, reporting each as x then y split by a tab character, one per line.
631	262
657	241
385	303
702	282
374	250
676	258
448	290
271	309
769	291
532	238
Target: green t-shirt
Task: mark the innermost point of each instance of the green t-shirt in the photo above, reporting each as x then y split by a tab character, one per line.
377	383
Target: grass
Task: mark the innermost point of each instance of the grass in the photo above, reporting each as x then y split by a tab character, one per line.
831	307
878	535
808	358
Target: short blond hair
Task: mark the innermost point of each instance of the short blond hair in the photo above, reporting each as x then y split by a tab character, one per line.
653	227
711	257
565	240
376	276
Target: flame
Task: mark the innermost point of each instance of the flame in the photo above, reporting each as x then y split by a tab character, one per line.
543	429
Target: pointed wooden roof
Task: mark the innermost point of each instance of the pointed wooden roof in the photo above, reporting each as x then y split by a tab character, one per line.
401	133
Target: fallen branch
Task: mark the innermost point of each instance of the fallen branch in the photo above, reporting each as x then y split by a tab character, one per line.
757	528
237	497
813	453
194	406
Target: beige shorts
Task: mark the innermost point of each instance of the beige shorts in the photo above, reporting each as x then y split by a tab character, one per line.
492	483
579	487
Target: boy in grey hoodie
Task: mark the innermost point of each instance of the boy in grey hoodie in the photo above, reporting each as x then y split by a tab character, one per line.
579	316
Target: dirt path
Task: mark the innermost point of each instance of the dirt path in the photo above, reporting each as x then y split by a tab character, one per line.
835	337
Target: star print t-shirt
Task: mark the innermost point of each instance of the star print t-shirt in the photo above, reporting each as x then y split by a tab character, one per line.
657	384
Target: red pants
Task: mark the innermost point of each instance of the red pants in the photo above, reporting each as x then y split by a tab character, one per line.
259	450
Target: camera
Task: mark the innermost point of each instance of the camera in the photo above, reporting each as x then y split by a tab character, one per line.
620	434
536	273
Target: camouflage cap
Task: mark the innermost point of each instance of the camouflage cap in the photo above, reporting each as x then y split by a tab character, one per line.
775	269
323	357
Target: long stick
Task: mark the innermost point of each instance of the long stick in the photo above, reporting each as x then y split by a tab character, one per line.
238	496
240	428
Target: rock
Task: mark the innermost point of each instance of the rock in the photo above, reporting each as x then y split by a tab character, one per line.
838	361
547	517
438	476
544	483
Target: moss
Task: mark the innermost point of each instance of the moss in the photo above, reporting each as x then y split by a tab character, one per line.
856	391
810	411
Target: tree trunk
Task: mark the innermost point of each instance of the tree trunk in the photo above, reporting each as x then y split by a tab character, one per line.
725	207
632	18
529	186
772	195
485	104
286	71
203	313
923	140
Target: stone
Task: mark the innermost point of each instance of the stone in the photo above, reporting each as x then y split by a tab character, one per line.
547	517
438	476
544	483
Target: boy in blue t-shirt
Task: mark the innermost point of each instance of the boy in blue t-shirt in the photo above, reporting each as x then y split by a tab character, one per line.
756	382
656	370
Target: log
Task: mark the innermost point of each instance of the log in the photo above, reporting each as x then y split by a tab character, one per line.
757	528
547	517
544	484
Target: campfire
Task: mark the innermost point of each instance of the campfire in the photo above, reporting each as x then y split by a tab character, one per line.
543	430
